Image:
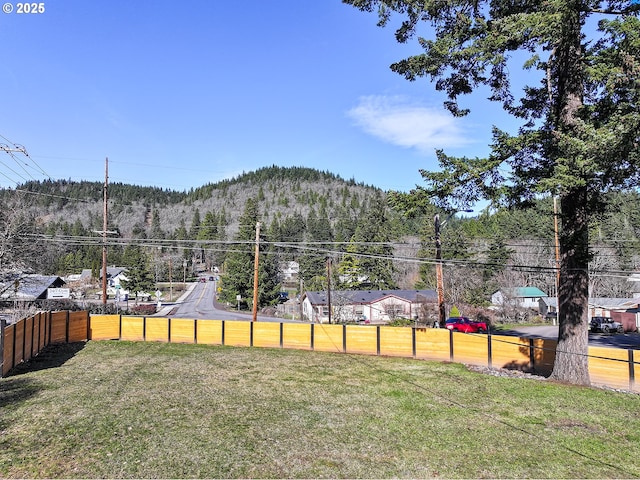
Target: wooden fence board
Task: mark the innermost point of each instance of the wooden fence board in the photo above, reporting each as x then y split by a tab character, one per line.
509	352
7	354
28	338
18	342
58	327
35	340
132	328
432	344
266	334
156	329
183	330
609	366
471	348
327	338
209	332
362	339
104	327
237	333
545	355
78	326
296	335
396	341
42	330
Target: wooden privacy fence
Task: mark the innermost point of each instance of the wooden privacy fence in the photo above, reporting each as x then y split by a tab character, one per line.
24	339
607	366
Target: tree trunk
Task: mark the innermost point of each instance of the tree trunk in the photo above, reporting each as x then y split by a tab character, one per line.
571	363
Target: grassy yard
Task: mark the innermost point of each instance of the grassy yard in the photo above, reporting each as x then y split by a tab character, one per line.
151	410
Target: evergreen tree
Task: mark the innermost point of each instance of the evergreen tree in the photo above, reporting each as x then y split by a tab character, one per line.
156	231
139	275
372	244
239	265
312	262
579	136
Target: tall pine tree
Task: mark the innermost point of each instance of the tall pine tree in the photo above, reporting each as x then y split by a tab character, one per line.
580	118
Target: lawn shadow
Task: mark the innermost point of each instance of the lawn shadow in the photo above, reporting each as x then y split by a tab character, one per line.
14	391
51	356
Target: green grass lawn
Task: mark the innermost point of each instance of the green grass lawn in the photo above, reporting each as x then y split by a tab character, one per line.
143	410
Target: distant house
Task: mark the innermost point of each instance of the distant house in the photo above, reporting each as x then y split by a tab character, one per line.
28	287
624	310
375	306
289	270
522	297
114	275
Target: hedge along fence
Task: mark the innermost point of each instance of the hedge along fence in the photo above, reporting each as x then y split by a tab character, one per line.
607	366
23	340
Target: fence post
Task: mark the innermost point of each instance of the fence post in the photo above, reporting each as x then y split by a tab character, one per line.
451	353
413	342
489	352
312	340
344	339
3	324
632	371
532	355
66	328
49	324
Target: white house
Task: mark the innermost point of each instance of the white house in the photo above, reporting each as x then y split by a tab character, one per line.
523	297
375	306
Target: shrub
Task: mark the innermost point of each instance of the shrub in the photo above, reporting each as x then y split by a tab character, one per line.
143	309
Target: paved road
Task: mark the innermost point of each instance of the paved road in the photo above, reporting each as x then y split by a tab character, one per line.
619	340
199	302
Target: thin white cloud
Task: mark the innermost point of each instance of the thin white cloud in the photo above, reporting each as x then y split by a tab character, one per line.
398	121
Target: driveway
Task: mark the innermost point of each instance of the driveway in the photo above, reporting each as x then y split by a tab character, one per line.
629	341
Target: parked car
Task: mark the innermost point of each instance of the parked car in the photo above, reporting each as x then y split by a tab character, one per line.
465	325
605	325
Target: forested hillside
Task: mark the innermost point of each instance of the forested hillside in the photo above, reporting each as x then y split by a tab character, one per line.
309	216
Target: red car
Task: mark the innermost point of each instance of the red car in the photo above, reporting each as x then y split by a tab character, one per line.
463	324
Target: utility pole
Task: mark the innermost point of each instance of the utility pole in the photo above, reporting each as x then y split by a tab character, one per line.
256	269
170	280
104	234
442	314
329	287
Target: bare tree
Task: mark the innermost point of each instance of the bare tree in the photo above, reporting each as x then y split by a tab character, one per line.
19	245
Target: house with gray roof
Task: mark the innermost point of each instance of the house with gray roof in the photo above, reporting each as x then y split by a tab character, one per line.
369	306
28	287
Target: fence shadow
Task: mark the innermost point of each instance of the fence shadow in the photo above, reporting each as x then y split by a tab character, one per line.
51	356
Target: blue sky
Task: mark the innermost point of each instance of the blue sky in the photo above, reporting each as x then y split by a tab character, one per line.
178	94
